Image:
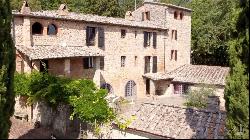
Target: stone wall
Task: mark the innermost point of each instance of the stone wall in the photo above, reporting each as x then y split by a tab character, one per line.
73	33
55	118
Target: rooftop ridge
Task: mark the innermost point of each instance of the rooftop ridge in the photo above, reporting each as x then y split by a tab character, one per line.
170	5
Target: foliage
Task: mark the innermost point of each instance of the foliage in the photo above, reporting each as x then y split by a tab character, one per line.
88	102
7	67
124	122
237	88
198	97
90	106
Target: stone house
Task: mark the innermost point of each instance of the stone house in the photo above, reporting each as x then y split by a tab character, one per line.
145	53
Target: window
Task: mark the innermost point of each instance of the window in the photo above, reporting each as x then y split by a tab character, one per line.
180	88
181	15
130	89
88	62
147	15
123	33
175	15
135	34
37	28
52	29
154	64
108	87
174	55
44	65
123	59
101	63
147	64
174	34
147	38
90	36
135	60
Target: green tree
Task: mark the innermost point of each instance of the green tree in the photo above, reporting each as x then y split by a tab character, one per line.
237	89
35	5
7	68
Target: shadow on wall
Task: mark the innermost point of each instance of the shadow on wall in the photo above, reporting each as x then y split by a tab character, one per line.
55	119
208	123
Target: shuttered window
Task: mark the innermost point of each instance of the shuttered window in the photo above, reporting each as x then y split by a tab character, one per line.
154	64
174	55
147	64
101	37
147	38
154	39
90	36
147	14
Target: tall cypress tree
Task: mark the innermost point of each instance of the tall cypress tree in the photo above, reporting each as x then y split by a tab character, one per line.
237	89
7	68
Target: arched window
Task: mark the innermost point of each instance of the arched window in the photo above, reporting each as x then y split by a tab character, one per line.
130	89
175	14
108	87
37	28
181	15
52	29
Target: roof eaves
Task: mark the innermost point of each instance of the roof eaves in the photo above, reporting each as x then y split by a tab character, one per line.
71	19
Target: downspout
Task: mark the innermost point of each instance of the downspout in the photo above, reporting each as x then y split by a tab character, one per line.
165	41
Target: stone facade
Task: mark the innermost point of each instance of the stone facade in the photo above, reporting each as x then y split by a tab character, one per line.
71	32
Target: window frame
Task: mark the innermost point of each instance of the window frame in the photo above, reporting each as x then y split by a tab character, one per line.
123	61
56	29
34	32
90	35
90	62
123	33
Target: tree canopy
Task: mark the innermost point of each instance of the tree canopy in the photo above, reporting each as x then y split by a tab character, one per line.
7	68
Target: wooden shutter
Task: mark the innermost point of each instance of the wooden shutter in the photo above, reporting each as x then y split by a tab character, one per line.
142	16
102	63
154	64
175	34
87	35
145	38
175	55
154	39
100	37
172	54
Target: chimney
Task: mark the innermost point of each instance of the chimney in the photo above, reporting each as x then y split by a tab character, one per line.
25	8
63	10
129	15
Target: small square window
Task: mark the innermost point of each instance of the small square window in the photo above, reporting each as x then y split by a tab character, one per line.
123	33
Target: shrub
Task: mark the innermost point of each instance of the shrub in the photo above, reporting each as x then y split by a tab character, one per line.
199	97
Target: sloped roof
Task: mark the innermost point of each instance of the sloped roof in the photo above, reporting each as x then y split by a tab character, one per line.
48	52
177	122
199	74
90	18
